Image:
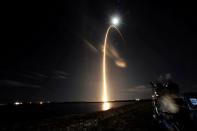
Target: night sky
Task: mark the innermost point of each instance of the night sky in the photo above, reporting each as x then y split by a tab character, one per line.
52	50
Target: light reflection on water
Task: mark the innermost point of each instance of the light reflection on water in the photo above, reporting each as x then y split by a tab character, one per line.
106	106
67	108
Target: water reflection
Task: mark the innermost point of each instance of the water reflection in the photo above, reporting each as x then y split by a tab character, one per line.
106	106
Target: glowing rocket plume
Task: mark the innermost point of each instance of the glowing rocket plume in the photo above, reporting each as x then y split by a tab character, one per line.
105	94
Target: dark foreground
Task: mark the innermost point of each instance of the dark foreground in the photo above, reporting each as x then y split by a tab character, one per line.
136	116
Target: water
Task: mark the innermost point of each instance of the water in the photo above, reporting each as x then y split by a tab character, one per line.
87	107
83	107
13	113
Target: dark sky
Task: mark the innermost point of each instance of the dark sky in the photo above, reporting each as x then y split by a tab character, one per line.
45	56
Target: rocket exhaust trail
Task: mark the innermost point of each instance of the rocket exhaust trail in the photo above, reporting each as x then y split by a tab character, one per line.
105	91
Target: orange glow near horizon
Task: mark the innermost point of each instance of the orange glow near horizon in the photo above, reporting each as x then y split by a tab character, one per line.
106	106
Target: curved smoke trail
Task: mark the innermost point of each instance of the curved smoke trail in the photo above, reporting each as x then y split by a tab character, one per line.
105	94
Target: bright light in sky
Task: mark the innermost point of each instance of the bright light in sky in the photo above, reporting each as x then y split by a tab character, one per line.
120	63
115	20
17	103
